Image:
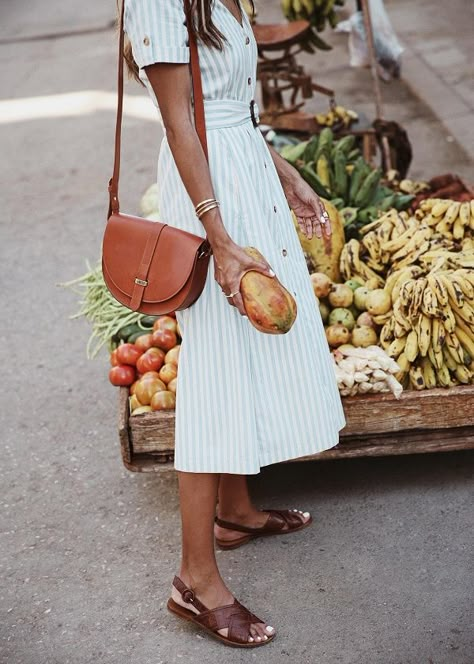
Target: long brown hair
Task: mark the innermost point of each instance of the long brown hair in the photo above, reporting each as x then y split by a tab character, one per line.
203	27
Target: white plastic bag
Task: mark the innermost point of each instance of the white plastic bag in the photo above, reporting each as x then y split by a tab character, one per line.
387	47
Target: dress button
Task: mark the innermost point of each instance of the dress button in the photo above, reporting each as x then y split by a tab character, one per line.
284	252
265	164
274	208
247	40
249	80
146	41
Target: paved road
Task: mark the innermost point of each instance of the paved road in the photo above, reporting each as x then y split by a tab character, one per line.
89	549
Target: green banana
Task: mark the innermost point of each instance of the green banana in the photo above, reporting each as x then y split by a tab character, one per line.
309	174
340	174
356	179
366	193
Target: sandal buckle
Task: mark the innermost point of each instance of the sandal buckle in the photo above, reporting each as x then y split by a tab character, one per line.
188	596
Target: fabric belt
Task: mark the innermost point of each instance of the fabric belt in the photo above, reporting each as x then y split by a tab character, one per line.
222	113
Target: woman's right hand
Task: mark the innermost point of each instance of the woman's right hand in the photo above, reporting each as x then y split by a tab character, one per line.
230	264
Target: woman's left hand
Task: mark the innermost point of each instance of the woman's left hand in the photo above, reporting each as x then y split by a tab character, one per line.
308	208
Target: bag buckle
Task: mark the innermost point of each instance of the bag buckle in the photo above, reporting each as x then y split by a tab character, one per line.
141	282
254	113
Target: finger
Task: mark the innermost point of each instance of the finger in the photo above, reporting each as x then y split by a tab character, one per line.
258	266
238	303
309	228
317	228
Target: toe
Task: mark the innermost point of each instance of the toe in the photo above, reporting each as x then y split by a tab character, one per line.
253	632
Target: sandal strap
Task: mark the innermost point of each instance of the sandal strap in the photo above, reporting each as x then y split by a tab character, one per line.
277	520
234	617
188	595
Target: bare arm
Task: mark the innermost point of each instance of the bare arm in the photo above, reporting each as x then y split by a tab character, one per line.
305	203
171	84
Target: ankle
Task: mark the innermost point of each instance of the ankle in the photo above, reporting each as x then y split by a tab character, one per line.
198	578
237	513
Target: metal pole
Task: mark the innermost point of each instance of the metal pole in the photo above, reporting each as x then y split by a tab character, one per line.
375	77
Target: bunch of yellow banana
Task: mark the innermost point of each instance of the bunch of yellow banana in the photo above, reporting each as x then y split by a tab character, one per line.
431	328
451	219
337	116
352	266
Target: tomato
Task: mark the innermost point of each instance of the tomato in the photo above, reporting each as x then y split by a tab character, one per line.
113	358
166	323
178	330
163	401
151	360
172	385
122	374
128	354
134	403
164	339
132	388
172	355
149	375
144	342
147	388
168	372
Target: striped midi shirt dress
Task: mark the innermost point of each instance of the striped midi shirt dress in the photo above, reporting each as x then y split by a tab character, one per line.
244	399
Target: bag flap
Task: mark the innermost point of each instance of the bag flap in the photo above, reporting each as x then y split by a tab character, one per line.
173	261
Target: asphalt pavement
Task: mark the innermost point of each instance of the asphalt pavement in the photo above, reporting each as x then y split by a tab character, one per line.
88	549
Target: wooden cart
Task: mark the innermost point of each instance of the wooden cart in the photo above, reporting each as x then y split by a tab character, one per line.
377	425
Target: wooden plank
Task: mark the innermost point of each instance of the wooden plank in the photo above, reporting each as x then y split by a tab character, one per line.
374	414
428	409
123	428
408	442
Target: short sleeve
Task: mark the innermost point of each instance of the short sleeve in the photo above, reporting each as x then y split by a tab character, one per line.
157	31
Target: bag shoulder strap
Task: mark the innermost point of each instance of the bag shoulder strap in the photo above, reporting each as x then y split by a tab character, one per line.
199	116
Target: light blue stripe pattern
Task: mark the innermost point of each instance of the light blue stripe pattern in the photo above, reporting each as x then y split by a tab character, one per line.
245	399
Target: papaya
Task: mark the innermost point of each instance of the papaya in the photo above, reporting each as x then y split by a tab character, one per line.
269	306
322	254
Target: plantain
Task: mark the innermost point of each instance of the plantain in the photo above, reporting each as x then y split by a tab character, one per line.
436	357
464	284
404	367
357	176
439	208
442	374
340	173
438	335
452	213
322	171
366	192
411	346
449	360
423	331
417	379
458	229
438	288
455	348
417	297
429	305
466	340
455	293
463	374
396	347
429	374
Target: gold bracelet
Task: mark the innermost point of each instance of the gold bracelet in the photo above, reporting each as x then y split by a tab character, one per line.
203	204
207	208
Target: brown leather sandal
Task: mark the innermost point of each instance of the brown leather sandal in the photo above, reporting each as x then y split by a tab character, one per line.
279	522
234	617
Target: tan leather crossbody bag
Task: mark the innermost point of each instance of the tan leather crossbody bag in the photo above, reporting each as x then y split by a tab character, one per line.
149	266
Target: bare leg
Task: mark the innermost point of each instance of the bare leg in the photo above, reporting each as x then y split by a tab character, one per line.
235	505
199	571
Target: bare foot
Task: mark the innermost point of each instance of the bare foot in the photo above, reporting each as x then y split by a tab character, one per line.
213	595
255	519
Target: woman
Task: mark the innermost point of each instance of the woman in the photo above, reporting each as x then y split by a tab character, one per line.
245	399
